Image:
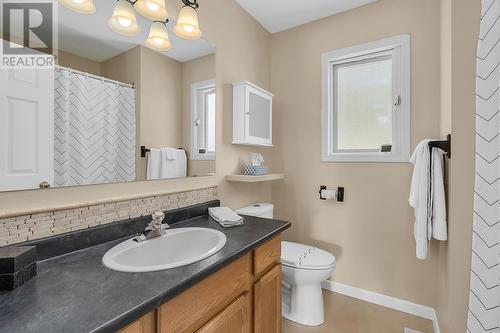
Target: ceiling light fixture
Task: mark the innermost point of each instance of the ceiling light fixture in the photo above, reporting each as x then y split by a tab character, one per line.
123	20
152	9
125	23
187	26
158	38
80	6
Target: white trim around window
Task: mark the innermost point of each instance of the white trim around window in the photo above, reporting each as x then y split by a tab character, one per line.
199	121
397	48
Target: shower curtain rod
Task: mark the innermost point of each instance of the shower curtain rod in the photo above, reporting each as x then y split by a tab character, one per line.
102	78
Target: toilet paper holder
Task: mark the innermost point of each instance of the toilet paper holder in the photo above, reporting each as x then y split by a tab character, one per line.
339	195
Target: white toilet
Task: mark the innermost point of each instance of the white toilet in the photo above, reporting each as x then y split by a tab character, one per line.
304	267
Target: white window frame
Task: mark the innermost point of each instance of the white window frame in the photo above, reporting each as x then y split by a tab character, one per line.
399	47
197	90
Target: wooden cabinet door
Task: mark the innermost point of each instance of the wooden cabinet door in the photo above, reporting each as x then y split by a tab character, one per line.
192	309
146	324
234	318
267	302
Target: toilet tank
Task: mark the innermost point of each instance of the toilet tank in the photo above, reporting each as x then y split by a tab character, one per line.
260	209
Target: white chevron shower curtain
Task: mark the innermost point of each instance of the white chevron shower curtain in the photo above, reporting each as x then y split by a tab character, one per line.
94	141
484	295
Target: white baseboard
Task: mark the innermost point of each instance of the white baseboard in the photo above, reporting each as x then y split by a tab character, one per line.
384	300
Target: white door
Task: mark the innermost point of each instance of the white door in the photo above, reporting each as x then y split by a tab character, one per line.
258	118
26	128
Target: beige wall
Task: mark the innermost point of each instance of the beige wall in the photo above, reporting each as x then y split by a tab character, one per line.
243	53
161	100
198	70
371	234
464	18
70	60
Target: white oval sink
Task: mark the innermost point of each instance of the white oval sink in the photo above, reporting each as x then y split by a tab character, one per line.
179	247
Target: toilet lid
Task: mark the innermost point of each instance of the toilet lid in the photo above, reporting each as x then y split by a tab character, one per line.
305	256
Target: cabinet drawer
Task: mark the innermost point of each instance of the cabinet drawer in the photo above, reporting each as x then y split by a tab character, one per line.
196	306
267	256
233	319
146	324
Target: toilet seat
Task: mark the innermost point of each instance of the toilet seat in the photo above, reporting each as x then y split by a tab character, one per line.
305	257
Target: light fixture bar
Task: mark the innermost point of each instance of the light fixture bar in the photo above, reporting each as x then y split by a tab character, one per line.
191	3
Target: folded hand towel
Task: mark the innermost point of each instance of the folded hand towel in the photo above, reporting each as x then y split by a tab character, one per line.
225	216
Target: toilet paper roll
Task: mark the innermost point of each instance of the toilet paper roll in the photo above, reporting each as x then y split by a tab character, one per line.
329	194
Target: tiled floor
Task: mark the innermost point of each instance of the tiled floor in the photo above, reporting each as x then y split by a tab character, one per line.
349	315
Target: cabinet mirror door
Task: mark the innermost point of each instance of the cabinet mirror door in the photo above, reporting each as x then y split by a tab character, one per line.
259	117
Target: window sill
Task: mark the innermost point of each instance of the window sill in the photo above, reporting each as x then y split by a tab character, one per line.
365	158
203	158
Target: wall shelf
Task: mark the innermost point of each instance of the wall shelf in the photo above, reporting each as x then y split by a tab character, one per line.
255	179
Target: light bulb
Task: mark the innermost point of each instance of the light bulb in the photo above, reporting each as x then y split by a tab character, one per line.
158	38
187	26
154	10
152	6
125	22
158	41
80	6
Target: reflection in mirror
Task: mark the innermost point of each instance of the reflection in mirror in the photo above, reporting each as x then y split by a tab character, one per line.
84	122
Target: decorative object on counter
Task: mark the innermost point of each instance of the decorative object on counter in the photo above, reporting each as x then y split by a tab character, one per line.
326	194
255	167
225	216
252	170
17	265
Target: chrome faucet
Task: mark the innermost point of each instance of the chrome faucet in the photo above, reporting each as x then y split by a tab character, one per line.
154	229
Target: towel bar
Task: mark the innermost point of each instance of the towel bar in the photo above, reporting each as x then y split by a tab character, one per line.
444	145
145	150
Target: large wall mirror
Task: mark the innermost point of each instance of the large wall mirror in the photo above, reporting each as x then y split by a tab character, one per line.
114	109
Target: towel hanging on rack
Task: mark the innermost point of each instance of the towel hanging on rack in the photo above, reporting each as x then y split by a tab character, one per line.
427	195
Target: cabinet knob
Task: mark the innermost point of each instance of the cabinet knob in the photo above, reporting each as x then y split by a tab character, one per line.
44	185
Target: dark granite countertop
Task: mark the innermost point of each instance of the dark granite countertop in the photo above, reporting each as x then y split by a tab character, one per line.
75	293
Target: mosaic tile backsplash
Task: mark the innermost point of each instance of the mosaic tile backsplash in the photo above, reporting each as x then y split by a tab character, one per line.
19	229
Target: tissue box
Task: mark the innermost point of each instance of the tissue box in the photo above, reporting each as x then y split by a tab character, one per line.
253	170
17	265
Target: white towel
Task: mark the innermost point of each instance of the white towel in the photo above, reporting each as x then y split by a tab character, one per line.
154	164
439	226
170	153
427	197
225	216
181	163
169	167
419	197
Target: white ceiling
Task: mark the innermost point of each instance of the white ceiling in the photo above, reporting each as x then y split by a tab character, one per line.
279	15
90	37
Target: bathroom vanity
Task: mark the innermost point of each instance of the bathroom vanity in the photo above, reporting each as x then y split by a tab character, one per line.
238	289
244	295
